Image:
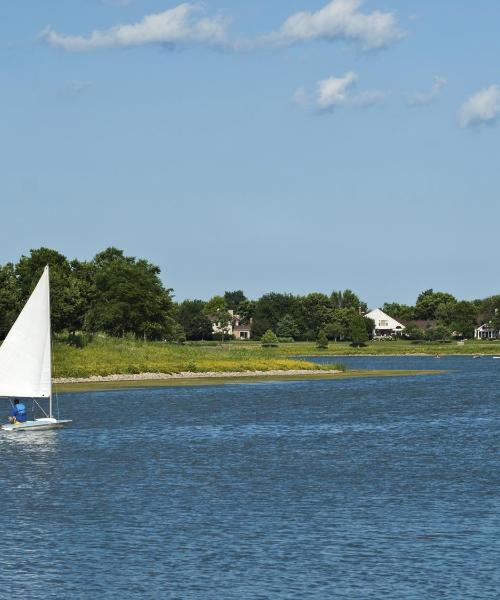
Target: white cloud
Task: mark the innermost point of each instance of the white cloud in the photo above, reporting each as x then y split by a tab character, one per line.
333	91
337	91
179	25
481	108
339	19
423	99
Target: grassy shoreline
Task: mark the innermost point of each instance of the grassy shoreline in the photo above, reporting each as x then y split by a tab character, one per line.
121	357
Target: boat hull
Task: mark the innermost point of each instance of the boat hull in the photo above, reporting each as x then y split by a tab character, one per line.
36	425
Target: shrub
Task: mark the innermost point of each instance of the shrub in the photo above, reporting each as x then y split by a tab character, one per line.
269	339
322	341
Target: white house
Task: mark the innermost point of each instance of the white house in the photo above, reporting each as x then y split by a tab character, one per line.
384	324
486	332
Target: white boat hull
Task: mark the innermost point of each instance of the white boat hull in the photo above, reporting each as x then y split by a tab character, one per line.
36	425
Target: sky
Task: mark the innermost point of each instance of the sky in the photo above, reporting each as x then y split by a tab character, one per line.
288	146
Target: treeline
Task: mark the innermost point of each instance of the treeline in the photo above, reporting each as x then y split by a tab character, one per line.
112	293
440	315
122	295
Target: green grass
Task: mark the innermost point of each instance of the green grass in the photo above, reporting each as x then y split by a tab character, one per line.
108	356
396	347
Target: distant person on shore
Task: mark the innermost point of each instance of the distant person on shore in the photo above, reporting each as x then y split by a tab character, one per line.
18	412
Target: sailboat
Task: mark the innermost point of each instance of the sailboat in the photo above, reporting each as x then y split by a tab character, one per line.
26	360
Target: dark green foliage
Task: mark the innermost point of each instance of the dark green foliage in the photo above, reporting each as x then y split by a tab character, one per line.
440	333
9	298
269	339
129	298
287	328
400	312
428	303
270	309
217	312
234	299
193	320
322	341
347	299
413	332
358	333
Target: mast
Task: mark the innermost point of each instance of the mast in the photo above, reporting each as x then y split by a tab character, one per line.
50	342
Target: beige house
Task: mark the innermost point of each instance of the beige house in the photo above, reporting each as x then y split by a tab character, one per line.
236	328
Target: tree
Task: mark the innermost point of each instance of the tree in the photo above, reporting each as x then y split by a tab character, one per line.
347	299
270	308
358	333
129	298
29	269
440	333
399	311
196	325
9	298
246	311
315	313
460	317
287	327
428	302
217	312
322	341
413	332
234	299
269	339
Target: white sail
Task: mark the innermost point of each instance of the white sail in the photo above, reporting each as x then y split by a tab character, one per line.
25	355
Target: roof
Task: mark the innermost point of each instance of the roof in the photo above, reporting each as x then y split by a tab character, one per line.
378	314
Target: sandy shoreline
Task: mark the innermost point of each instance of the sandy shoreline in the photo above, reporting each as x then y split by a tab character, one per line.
191	375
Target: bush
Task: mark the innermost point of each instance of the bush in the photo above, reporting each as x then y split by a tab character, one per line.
322	341
269	339
286	340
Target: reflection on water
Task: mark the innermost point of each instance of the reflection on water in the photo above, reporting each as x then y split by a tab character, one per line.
370	488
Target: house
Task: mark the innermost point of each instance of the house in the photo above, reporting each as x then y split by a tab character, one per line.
384	324
241	331
486	332
236	328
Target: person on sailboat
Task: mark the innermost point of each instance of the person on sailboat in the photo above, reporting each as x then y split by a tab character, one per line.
18	412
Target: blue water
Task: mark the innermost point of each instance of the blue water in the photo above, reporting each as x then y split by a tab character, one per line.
362	488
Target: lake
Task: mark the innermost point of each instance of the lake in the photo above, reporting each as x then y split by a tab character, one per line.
357	488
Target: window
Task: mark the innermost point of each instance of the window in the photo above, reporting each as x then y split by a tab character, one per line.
383	323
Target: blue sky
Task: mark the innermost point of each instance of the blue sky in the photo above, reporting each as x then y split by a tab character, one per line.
289	146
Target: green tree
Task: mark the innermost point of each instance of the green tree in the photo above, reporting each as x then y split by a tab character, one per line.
428	302
413	332
29	270
315	312
440	333
269	339
287	327
246	311
196	325
9	298
269	309
217	312
399	311
347	299
234	299
129	298
358	333
322	341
